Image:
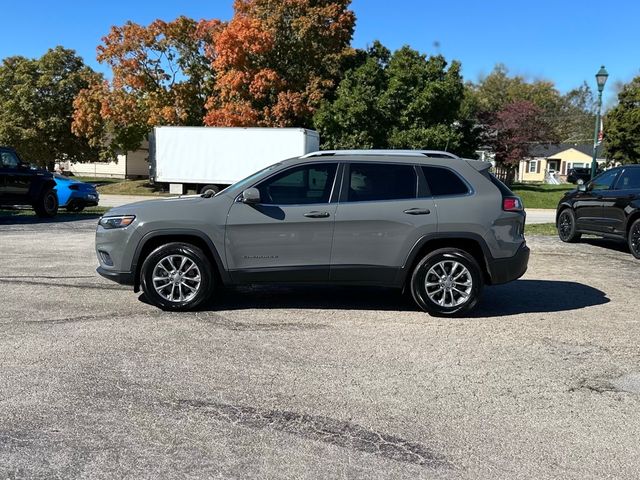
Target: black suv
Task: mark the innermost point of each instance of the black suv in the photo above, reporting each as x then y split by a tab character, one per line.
22	184
580	173
608	206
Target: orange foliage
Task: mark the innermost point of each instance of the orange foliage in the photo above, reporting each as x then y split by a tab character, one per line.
277	60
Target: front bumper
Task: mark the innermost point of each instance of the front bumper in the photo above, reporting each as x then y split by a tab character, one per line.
123	278
503	270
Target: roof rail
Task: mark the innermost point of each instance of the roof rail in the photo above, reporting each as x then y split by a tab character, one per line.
408	153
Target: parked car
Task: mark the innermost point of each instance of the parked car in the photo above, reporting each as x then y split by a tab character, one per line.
440	228
574	175
75	195
608	206
22	184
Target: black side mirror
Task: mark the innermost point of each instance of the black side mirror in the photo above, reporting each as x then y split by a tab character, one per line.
250	196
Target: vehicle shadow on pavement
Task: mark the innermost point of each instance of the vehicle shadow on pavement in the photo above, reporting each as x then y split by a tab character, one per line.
537	296
521	296
311	297
7	217
609	244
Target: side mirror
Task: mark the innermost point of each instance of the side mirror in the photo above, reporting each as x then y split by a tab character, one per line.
580	181
250	196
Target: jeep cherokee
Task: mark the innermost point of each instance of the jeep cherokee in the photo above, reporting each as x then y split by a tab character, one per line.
438	227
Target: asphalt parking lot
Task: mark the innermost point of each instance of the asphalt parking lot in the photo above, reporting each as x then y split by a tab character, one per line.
543	381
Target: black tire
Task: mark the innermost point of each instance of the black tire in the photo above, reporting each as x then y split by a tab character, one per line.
211	189
176	251
75	207
47	204
437	261
566	225
634	238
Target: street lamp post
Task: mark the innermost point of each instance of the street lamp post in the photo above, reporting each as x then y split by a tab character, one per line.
601	79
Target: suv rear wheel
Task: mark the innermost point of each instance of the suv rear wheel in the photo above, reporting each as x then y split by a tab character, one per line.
447	282
634	238
567	226
177	276
46	206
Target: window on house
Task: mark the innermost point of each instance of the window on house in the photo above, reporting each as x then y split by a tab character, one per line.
533	166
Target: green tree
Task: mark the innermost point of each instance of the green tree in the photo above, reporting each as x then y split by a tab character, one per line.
577	115
354	119
622	125
404	100
36	106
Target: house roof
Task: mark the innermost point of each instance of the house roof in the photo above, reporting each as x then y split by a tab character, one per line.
546	150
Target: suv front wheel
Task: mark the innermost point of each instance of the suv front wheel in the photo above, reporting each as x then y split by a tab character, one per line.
177	276
447	282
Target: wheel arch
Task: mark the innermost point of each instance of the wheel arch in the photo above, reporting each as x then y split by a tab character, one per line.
153	240
470	243
561	208
631	219
37	188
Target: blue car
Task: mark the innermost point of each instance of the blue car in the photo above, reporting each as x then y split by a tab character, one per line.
74	195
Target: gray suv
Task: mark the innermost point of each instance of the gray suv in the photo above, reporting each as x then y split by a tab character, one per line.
437	226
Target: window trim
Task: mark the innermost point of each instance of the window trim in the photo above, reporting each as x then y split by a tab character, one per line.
332	195
346	177
533	166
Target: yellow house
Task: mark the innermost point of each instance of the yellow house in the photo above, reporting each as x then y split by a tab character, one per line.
555	159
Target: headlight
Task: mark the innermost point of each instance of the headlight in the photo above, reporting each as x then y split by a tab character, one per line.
116	222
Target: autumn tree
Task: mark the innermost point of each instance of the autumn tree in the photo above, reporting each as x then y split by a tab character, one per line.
514	128
568	115
622	125
277	60
404	100
160	77
36	105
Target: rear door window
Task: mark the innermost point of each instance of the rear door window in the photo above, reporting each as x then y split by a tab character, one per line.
369	182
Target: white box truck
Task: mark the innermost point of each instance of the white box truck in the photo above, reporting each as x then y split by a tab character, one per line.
212	158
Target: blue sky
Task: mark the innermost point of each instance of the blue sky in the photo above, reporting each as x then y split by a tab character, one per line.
563	41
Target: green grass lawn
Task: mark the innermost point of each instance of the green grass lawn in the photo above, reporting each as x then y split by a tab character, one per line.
97	180
546	229
131	187
540	195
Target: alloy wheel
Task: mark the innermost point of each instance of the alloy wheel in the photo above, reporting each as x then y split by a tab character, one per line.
448	283
176	278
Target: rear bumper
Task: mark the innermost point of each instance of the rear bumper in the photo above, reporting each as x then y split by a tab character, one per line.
123	278
503	270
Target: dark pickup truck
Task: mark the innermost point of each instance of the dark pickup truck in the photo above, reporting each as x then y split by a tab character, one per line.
22	184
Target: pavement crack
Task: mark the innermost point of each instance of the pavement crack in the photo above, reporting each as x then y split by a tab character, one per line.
320	428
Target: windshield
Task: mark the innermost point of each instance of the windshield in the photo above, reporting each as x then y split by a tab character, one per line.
242	184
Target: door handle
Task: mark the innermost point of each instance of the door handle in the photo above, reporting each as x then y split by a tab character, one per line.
418	211
316	214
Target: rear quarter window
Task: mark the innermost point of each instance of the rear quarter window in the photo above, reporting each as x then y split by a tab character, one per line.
444	182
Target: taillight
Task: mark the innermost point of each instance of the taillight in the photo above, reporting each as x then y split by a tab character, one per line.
512	204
